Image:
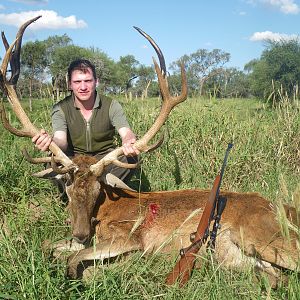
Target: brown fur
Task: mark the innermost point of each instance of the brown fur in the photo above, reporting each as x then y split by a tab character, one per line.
163	221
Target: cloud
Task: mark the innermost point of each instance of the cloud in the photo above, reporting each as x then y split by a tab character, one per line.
2	7
269	35
31	1
285	6
50	20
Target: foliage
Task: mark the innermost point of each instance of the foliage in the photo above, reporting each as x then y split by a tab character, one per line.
145	76
55	42
277	71
124	70
34	61
230	83
274	76
62	57
201	66
265	152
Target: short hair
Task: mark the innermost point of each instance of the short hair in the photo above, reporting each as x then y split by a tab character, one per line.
82	65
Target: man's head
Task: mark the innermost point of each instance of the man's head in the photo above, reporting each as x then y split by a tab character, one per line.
81	65
82	79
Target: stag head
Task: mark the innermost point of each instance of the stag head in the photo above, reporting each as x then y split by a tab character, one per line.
82	174
83	191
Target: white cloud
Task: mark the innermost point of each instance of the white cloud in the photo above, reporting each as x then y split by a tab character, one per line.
2	7
285	6
269	35
50	20
31	1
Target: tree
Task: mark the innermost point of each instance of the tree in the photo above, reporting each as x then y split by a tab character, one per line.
34	62
277	73
236	84
145	76
61	58
55	42
201	66
104	67
229	83
124	70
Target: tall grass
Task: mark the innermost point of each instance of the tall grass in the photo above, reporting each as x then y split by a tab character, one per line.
265	154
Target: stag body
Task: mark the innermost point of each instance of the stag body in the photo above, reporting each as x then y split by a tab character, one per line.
163	221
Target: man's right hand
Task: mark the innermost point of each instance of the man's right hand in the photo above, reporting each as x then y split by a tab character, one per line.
42	140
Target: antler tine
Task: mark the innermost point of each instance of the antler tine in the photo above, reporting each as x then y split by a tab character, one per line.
38	160
63	170
5	62
12	55
169	103
15	57
156	48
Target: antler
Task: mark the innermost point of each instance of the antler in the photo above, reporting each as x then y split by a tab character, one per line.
12	56
169	103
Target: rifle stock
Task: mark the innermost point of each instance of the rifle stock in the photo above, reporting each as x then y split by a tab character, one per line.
183	268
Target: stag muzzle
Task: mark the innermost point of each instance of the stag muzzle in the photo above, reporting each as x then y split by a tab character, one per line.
82	234
82	229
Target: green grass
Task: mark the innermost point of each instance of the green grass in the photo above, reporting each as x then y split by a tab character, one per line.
265	158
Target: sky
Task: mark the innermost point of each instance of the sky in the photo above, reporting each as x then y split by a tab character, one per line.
239	27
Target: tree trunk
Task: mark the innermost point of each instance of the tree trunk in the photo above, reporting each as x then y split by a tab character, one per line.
146	89
30	94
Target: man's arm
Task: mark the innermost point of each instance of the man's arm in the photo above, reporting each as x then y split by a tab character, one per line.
119	121
128	139
60	139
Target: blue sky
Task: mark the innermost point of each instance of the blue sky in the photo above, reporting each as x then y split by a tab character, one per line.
179	27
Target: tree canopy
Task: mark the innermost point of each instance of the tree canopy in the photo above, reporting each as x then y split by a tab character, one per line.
274	75
277	73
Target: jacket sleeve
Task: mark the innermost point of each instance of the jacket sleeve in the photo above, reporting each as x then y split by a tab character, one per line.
117	116
59	122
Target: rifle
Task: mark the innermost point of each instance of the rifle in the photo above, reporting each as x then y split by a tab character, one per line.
183	268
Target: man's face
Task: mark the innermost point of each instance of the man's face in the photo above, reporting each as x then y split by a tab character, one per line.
83	84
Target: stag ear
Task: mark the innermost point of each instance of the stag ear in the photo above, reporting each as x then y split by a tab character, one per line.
114	181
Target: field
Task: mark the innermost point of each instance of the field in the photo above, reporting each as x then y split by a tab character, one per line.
265	158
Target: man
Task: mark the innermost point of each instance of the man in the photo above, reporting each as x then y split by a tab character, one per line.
85	122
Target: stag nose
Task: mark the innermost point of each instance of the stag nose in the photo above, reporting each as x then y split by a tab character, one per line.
80	238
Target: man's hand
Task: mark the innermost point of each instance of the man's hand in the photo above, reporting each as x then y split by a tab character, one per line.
129	149
128	139
42	140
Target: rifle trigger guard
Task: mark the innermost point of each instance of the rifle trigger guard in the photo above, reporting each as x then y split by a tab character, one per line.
192	236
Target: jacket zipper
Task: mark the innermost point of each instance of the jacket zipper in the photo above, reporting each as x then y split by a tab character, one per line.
88	137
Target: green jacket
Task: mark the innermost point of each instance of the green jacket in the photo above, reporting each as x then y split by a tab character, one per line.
88	137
